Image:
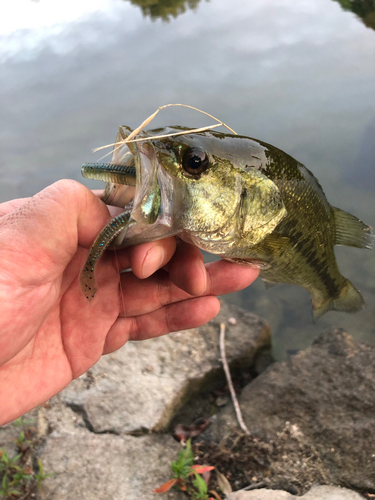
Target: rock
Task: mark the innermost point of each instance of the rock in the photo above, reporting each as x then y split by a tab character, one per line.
262	494
331	493
316	493
98	467
318	411
56	416
141	386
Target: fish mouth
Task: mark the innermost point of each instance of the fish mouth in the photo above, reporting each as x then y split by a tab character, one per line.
147	195
134	187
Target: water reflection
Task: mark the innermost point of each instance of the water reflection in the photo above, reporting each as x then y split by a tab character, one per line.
361	171
165	9
365	9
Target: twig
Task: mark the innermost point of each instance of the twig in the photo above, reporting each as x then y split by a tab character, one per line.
229	380
136	131
254	486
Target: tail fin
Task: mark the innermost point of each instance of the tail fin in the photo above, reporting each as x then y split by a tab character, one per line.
349	300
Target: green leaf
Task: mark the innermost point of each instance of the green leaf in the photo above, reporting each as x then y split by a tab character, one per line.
181	467
18	422
41	470
4	482
201	486
28	421
15	492
21	437
15	459
16	467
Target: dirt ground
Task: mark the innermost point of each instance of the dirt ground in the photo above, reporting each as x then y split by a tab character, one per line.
287	463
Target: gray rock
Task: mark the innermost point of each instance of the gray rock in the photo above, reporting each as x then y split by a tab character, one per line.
262	494
56	416
316	493
88	466
331	493
321	404
141	386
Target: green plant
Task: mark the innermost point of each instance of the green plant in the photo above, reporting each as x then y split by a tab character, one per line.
13	477
16	478
40	476
187	477
24	439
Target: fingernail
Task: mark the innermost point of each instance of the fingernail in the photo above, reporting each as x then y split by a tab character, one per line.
153	261
204	275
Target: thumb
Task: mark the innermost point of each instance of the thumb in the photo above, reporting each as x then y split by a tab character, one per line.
45	231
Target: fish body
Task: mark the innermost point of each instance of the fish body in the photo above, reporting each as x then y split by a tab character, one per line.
241	199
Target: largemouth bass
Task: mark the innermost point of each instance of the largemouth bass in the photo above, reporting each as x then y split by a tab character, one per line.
233	196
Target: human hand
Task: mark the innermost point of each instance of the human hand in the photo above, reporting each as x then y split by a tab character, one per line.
49	333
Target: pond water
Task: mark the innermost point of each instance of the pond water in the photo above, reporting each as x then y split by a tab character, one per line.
298	75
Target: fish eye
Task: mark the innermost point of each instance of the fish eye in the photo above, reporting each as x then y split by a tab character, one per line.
195	161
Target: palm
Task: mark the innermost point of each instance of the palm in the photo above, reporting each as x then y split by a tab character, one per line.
62	334
49	332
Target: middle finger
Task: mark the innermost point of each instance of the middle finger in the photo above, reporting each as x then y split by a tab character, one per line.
141	296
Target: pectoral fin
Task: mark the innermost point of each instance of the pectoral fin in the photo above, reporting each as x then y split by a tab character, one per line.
269	284
351	231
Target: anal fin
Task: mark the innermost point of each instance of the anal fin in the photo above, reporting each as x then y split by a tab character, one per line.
351	231
349	300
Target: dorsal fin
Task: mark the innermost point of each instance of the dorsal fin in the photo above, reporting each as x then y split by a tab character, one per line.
351	231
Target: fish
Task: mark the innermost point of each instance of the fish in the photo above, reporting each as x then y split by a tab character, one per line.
234	196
